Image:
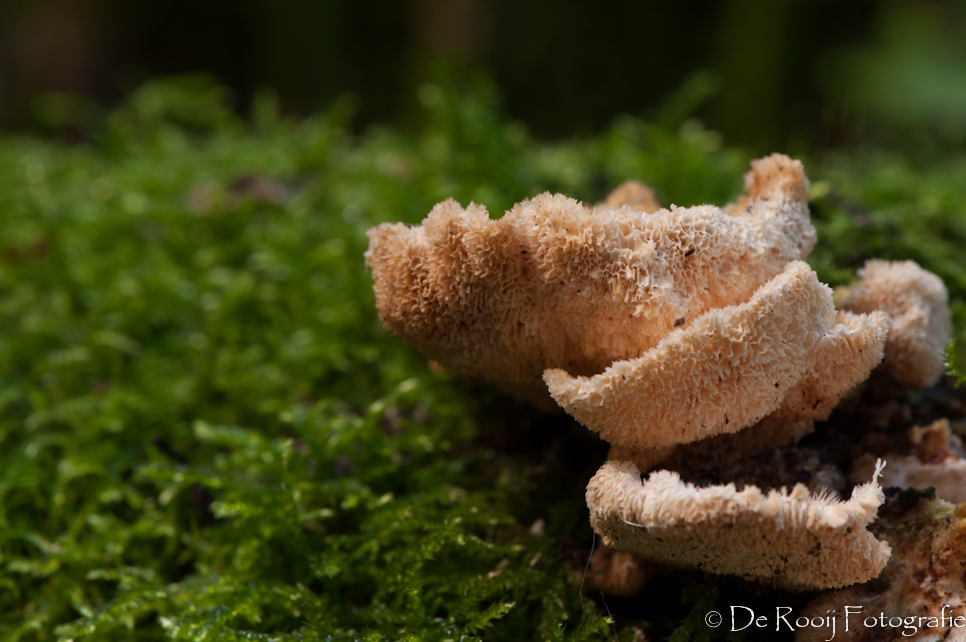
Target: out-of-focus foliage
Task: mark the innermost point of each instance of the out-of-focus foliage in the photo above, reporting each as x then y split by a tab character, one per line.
205	433
908	85
562	65
954	366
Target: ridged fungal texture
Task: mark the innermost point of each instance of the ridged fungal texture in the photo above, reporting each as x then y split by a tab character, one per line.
557	284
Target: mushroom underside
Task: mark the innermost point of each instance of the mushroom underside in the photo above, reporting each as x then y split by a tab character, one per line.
794	540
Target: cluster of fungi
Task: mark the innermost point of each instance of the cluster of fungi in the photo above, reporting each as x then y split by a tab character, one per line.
688	337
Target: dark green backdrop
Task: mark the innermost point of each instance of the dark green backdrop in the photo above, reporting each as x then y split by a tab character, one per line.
792	74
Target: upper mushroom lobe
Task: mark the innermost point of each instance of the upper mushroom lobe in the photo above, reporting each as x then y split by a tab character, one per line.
556	284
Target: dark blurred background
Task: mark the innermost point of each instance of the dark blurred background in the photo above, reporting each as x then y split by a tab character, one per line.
778	74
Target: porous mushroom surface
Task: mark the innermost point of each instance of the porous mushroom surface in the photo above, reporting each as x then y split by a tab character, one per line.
843	357
920	321
730	368
557	284
793	540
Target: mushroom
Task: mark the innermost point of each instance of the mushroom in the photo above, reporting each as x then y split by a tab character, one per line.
920	322
731	367
680	335
794	539
556	284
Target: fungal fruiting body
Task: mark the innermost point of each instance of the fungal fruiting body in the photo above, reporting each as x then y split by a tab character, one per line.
730	368
634	195
556	284
791	539
678	335
918	307
617	572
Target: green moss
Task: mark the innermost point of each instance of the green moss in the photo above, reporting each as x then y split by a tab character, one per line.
205	433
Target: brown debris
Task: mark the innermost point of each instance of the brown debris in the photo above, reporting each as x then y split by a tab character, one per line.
924	578
937	462
770	432
613	572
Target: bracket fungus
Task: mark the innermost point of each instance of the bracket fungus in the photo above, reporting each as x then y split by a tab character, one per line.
556	284
679	335
731	367
794	539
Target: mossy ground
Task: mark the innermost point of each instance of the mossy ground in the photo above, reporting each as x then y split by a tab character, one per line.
205	433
